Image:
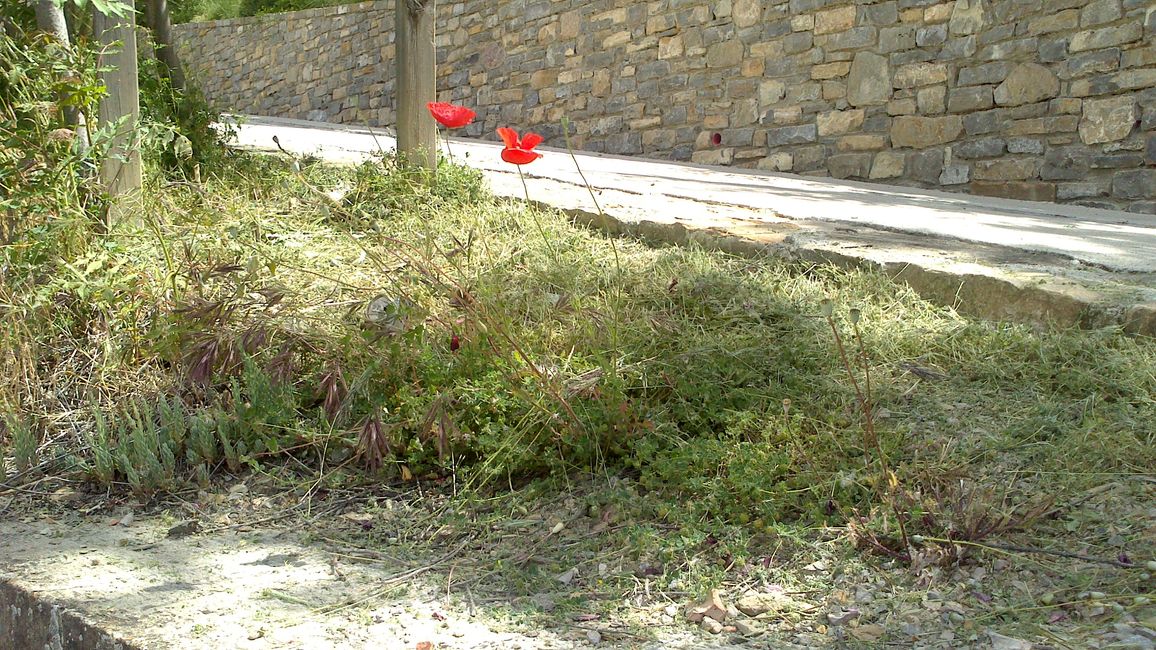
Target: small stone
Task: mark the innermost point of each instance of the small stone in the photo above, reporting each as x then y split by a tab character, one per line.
712	626
1108	120
712	608
747	628
1001	642
594	637
837	617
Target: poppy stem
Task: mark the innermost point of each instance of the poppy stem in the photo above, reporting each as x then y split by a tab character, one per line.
613	239
534	215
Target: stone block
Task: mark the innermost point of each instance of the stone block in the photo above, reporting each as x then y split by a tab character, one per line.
725	54
932	100
896	39
901	107
1025	145
1108	120
1099	12
1054	22
1014	169
850	165
831	70
1134	184
1044	125
955	174
920	132
746	13
1081	65
804	23
1097	39
834	20
1022	190
1150	150
931	35
771	92
798	42
862	142
1065	164
713	157
780	161
792	135
869	80
983	148
839	122
925	166
1118	160
920	74
1139	78
984	74
967	17
968	99
887	164
1069	191
853	39
1027	83
886	13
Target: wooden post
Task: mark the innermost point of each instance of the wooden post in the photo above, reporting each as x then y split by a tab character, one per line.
120	171
416	133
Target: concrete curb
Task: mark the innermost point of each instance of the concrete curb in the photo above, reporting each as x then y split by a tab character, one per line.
29	622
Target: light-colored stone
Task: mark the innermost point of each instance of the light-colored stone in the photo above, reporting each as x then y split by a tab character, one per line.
920	132
831	70
780	161
914	75
746	13
724	54
1028	83
887	164
967	17
838	122
1096	39
1108	120
771	92
869	80
835	20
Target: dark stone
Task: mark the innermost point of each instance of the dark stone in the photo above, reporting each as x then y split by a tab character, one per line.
1023	190
850	165
984	122
1117	161
925	166
1150	150
1054	51
1065	164
792	135
1135	184
985	148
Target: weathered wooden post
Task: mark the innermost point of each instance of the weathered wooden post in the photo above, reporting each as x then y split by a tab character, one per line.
416	133
120	171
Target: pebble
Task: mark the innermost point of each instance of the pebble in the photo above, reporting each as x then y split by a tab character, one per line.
712	626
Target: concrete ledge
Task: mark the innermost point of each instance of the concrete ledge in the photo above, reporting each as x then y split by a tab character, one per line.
29	622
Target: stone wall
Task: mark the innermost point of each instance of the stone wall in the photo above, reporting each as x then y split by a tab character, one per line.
1050	100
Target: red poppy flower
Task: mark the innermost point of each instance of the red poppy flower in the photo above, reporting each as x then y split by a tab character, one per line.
519	151
449	115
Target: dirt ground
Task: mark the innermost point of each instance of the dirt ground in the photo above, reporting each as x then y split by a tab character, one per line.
248	566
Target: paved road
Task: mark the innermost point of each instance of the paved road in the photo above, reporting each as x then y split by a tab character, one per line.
1110	239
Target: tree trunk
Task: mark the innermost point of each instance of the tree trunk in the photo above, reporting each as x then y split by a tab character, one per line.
159	21
416	133
120	171
50	19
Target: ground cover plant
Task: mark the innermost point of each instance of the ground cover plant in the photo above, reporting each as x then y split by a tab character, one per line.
332	328
591	429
